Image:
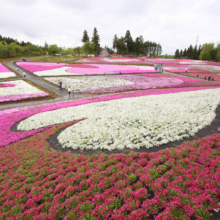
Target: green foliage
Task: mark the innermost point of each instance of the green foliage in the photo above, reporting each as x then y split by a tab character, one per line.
88	47
85	207
89	216
53	49
205	55
116	204
85	36
132	178
154	174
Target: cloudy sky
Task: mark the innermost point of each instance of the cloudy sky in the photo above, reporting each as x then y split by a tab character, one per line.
172	23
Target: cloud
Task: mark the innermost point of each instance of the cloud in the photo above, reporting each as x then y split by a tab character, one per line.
172	23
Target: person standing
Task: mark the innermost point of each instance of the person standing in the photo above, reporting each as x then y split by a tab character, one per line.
120	72
24	75
61	85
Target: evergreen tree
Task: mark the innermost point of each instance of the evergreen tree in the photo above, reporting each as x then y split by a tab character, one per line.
95	39
177	54
181	54
190	52
85	36
115	41
185	53
128	41
195	52
46	46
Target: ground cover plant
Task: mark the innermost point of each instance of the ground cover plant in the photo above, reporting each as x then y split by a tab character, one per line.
10	117
59	69
6	73
121	83
181	183
150	121
110	60
19	90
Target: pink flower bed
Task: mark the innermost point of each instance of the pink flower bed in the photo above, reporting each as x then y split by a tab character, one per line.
8	119
37	66
107	59
103	69
175	183
3	69
8	98
6	85
146	81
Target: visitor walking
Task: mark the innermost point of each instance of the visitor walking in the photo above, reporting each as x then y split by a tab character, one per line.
17	69
61	85
120	72
69	90
24	75
185	70
198	76
205	78
73	93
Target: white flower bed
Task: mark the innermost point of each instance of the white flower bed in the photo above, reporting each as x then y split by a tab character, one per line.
83	83
55	72
7	75
132	122
20	87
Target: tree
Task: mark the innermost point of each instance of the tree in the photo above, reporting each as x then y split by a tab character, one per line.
77	50
88	47
53	49
121	45
128	41
85	36
46	46
190	52
195	52
95	39
181	54
177	54
115	41
218	56
205	55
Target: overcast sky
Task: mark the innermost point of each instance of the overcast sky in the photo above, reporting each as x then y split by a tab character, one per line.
172	23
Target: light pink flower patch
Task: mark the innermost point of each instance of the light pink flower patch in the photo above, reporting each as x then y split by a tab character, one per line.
37	66
8	98
106	69
110	60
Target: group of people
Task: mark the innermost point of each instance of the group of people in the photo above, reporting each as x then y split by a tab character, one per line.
209	78
68	89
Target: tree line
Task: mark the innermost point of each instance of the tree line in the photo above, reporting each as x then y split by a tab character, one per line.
127	46
207	51
10	47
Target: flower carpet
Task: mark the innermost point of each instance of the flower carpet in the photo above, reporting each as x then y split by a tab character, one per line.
180	183
53	69
37	182
110	60
121	83
19	90
5	73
